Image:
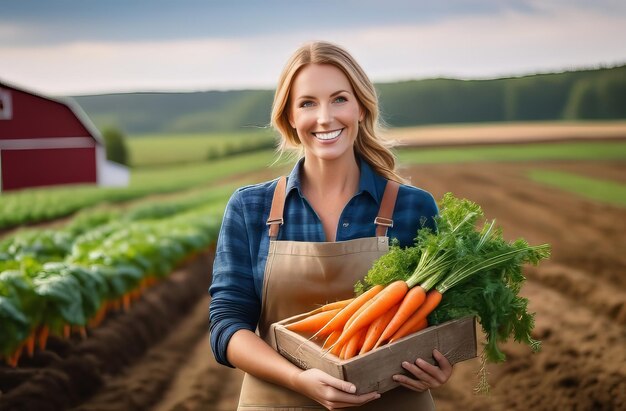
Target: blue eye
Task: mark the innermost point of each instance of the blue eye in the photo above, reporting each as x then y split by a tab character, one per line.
306	103
341	99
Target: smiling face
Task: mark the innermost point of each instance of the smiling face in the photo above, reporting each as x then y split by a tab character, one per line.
325	112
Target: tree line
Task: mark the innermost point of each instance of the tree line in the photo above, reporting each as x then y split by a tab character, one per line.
582	95
574	95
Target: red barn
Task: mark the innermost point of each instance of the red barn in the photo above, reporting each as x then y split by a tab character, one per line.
49	141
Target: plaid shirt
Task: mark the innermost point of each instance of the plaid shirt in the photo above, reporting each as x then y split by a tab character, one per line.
243	243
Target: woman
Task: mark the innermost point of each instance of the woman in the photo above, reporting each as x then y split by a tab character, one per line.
289	245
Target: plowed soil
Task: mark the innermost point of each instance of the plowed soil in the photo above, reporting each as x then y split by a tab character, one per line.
579	297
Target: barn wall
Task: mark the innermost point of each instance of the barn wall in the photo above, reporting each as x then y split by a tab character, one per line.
44	167
37	117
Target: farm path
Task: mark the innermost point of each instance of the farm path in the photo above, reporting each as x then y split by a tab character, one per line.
201	383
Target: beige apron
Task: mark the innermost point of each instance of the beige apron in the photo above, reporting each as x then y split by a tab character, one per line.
313	273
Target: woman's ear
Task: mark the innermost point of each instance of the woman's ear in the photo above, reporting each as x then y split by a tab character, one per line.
292	123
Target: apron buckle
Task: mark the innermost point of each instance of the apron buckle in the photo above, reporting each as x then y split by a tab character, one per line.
275	221
383	221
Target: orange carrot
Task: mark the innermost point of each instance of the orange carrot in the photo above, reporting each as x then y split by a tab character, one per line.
433	298
353	346
413	299
15	357
359	311
43	337
30	344
339	320
330	340
313	323
376	329
417	326
98	317
126	302
336	304
390	296
342	353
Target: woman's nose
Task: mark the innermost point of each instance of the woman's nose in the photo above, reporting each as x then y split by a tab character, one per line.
324	115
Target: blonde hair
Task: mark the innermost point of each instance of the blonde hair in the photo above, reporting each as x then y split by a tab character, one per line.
368	144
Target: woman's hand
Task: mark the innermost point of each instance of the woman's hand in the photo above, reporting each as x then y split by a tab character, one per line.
329	391
427	376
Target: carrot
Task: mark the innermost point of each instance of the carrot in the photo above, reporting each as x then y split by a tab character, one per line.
339	320
411	302
43	337
342	353
391	295
418	326
313	323
433	298
359	311
376	329
353	346
330	340
99	316
126	302
30	344
67	330
336	349
336	304
15	357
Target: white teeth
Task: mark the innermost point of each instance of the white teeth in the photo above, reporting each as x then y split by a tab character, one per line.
328	136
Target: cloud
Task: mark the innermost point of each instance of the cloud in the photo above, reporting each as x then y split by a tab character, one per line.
471	46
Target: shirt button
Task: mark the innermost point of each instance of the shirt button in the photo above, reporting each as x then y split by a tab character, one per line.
346	224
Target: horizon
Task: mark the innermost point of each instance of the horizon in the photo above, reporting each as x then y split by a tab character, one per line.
567	70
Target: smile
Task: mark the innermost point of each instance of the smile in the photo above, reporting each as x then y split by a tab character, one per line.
329	135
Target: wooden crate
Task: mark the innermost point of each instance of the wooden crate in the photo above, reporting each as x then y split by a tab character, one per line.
373	371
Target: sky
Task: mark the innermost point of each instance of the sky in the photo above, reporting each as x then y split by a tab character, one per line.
78	47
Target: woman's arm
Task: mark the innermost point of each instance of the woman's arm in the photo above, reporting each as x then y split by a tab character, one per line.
248	352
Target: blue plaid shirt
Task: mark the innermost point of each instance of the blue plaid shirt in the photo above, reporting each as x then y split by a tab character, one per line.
243	242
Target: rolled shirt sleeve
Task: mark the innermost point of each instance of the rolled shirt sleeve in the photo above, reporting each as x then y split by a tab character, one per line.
235	304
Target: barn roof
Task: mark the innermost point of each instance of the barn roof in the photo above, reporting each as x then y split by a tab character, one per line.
70	103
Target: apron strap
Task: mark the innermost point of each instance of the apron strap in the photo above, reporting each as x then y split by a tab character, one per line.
383	221
275	219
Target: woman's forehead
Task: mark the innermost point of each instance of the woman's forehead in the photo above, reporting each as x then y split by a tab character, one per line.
314	79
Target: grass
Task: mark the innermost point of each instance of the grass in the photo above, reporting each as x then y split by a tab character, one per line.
151	150
516	152
167	149
595	189
208	172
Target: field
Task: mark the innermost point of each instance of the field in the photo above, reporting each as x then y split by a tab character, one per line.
157	358
156	150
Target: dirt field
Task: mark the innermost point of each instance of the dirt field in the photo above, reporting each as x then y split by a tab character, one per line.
507	133
579	297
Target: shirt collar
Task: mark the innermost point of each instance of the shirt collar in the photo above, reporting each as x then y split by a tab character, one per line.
369	181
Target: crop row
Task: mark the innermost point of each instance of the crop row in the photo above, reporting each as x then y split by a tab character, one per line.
43	204
67	280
